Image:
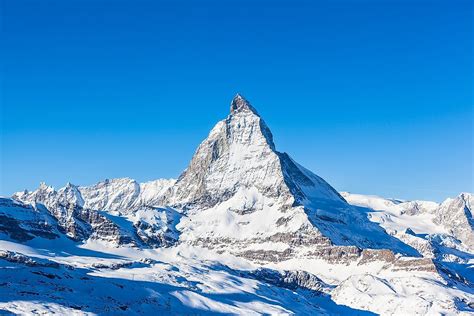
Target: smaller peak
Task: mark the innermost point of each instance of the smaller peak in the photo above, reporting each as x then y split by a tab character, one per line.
465	196
69	185
240	104
44	186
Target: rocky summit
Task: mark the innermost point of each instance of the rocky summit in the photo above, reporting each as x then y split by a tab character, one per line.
244	229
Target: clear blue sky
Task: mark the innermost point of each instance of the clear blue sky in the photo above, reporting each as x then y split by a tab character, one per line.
374	96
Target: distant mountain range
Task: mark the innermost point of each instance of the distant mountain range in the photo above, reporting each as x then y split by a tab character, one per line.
244	230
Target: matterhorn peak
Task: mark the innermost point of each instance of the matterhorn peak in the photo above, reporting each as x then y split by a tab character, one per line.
240	104
239	155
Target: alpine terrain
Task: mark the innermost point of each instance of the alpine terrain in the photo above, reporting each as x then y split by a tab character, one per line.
244	230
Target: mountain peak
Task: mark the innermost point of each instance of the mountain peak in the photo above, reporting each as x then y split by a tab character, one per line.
44	187
239	155
240	104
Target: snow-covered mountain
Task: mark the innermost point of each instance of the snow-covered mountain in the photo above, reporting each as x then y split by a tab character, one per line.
244	229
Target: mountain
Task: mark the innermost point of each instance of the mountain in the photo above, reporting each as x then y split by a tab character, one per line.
275	237
408	219
456	216
239	154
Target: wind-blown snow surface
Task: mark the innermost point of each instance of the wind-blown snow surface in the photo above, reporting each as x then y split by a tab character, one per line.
244	230
97	279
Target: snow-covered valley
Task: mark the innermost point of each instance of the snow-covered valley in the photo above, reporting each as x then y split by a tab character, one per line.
244	230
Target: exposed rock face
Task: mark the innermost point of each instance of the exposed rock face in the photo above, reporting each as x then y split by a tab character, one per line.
14	257
456	215
337	254
292	280
370	255
24	222
70	207
265	256
156	227
417	207
75	221
398	263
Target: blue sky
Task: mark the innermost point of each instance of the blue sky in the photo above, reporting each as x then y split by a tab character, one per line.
374	96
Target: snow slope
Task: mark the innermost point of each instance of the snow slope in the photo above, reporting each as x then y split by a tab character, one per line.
85	280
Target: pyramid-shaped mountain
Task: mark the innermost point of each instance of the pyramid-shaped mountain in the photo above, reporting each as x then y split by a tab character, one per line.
239	154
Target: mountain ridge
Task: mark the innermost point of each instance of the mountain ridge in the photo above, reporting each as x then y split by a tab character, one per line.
242	201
